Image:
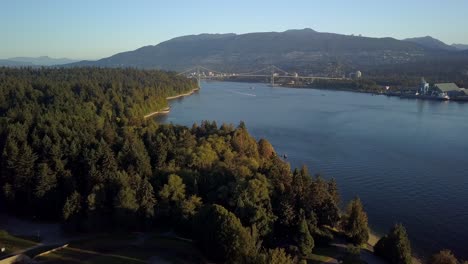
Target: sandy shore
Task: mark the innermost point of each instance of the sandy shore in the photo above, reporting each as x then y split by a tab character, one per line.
167	109
164	111
182	95
373	239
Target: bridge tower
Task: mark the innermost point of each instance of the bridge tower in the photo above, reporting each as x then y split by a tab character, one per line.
198	76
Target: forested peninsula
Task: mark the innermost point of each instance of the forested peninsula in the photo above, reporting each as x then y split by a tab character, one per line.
76	149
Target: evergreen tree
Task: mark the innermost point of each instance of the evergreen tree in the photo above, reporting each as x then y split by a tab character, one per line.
221	235
333	191
191	206
172	195
125	202
253	204
174	190
265	149
355	222
278	256
72	206
395	246
46	180
146	198
305	241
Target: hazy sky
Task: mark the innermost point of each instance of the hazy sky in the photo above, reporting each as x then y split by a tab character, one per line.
92	29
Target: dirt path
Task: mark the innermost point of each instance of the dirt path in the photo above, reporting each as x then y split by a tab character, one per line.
366	254
370	258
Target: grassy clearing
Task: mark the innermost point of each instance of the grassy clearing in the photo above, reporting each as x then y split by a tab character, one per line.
105	242
76	255
324	254
40	249
174	249
13	244
125	248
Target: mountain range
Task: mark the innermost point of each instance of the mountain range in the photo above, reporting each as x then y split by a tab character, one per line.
432	43
304	50
243	52
460	46
35	61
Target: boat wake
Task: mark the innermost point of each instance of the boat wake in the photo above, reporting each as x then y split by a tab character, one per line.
246	94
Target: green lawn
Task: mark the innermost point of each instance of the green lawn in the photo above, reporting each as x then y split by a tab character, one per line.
125	248
74	255
324	254
105	242
13	244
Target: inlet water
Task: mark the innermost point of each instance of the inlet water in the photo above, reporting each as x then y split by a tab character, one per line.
406	159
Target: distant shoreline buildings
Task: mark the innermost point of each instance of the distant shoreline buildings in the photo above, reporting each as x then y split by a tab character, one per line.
442	91
355	75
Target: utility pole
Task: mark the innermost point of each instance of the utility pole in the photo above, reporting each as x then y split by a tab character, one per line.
272	76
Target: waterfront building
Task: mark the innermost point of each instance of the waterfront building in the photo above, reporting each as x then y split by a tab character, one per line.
358	74
355	75
449	89
423	87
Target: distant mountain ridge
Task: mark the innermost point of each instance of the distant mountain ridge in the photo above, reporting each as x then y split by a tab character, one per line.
245	51
35	61
460	46
11	63
305	51
431	43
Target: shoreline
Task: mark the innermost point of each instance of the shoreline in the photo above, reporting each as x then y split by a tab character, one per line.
167	109
463	99
182	95
374	238
310	87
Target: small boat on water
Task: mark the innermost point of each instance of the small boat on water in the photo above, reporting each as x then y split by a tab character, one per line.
285	156
443	96
251	87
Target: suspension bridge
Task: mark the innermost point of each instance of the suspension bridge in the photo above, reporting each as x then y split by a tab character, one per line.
273	72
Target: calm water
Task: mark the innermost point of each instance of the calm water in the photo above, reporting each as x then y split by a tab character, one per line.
406	159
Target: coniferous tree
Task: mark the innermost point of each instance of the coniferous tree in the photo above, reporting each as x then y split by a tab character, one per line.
395	246
278	256
305	241
146	198
174	190
221	235
355	223
72	206
190	206
253	204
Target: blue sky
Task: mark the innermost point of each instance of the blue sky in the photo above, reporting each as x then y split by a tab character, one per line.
92	29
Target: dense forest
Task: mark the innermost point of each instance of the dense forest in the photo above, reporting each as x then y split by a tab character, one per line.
75	148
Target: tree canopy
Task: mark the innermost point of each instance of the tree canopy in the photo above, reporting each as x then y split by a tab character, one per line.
75	147
395	246
355	223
